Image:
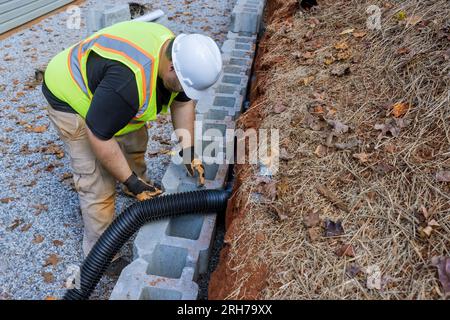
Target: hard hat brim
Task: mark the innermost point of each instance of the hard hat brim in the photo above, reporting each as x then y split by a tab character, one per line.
195	94
191	92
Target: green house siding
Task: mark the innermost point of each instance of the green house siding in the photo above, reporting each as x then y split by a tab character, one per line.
14	13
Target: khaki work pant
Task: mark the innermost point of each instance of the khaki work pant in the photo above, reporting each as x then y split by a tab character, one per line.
96	186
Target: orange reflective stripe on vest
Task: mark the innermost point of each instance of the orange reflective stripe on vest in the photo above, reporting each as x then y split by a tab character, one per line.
135	55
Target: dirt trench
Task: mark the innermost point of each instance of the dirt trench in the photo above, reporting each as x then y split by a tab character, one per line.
224	279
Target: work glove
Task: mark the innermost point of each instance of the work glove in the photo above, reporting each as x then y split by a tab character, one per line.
139	189
193	165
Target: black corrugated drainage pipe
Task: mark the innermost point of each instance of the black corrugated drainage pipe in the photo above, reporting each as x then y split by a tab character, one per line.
131	220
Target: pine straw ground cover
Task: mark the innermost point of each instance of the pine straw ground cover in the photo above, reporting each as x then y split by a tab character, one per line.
364	120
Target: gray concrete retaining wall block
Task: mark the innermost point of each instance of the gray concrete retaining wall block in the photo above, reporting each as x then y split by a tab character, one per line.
246	16
99	18
171	245
116	14
171	253
94	21
231	103
135	283
242	37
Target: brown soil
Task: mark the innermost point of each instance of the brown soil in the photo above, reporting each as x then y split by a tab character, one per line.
364	129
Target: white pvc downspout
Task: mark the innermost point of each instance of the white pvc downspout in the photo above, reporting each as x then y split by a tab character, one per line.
152	16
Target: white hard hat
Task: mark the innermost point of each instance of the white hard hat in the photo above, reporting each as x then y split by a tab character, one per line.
197	62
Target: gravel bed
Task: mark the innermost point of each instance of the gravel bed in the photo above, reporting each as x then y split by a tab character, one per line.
40	220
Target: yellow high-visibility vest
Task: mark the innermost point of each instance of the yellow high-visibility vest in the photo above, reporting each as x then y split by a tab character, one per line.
135	44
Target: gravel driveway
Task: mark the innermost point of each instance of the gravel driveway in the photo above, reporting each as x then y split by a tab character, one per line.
40	221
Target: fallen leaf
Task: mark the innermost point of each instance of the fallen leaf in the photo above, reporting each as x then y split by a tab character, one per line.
7	200
392	126
400	109
426	214
279	212
447	55
311	122
362	157
383	168
161	140
343	45
443	176
403	50
279	107
53	149
260	237
413	20
347	31
308	55
306	81
48	277
38	239
30	184
66	176
153	153
283	187
333	229
38	129
321	151
348	145
314	234
390	148
361	34
443	266
15	224
330	196
58	243
267	187
428	230
50	298
26	227
338	127
353	270
314	21
340	70
401	15
39	208
5	295
23	110
52	260
344	55
318	110
346	250
329	60
311	219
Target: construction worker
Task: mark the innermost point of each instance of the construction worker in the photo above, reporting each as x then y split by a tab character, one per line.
102	92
